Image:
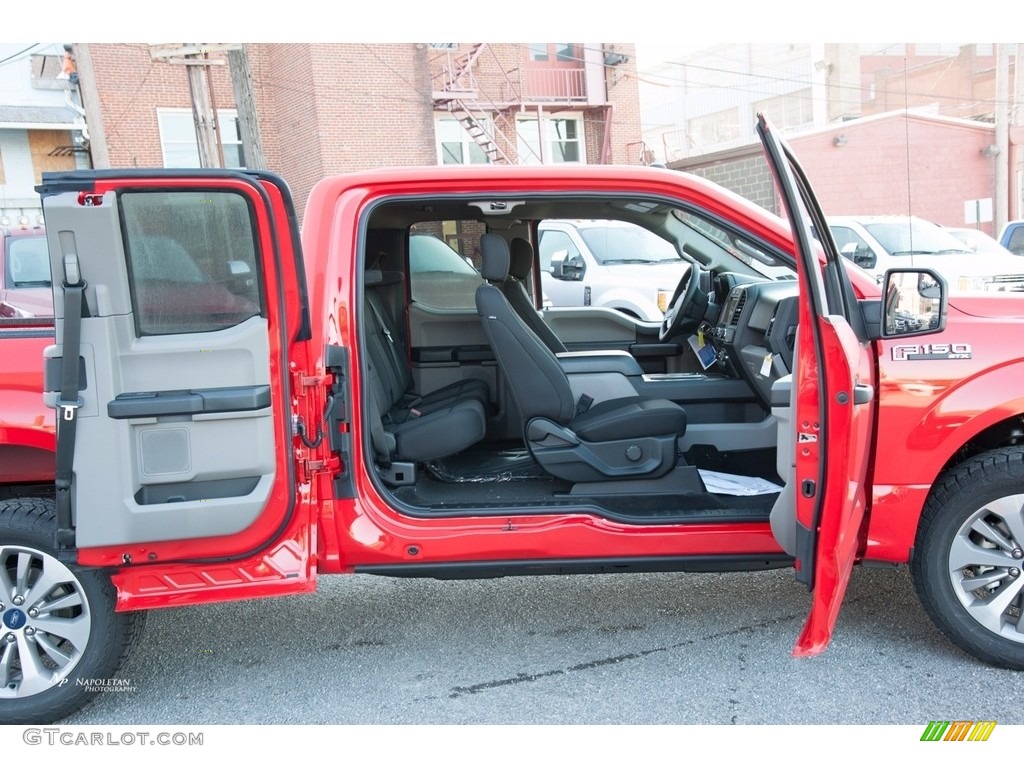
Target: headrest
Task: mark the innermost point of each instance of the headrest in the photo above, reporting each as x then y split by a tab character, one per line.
494	257
521	261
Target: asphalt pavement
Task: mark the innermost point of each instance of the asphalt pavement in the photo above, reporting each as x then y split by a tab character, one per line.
611	649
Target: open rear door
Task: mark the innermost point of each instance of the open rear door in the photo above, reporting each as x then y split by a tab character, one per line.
834	404
182	444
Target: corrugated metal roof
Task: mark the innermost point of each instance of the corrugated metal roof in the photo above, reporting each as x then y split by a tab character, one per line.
14	116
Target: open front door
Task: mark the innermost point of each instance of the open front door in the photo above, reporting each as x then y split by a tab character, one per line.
182	449
834	405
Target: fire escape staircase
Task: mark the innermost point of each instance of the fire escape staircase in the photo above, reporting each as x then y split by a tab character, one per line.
480	117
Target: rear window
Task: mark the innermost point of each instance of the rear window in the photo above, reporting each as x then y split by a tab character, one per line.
438	276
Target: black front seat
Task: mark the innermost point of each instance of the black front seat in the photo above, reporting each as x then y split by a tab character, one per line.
513	285
625	438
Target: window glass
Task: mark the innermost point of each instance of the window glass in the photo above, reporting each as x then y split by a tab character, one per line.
552	140
28	262
626	244
565	52
845	236
192	261
456	146
553	241
439	276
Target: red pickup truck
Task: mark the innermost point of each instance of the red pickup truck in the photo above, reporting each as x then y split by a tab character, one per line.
242	408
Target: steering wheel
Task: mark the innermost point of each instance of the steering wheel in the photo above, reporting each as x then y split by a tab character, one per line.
686	309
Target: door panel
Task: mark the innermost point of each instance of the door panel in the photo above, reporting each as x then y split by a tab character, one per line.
182	433
834	406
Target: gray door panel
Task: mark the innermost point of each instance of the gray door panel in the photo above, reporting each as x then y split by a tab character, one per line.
176	433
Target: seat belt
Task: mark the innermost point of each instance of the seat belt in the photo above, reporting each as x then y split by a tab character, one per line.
70	400
399	364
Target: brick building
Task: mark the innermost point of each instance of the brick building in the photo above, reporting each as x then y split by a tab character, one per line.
330	108
933	166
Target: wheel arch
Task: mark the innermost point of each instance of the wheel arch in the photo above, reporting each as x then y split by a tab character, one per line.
952	431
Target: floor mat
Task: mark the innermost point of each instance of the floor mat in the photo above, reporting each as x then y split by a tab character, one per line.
491	467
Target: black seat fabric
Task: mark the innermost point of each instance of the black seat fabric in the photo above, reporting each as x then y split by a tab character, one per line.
513	284
619	438
416	427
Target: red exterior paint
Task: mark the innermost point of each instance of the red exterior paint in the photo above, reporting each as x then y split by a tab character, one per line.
306	530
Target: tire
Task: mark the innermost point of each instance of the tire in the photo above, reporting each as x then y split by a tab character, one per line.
968	560
67	638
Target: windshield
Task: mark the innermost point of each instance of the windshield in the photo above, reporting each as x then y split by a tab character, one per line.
627	244
28	261
754	255
914	236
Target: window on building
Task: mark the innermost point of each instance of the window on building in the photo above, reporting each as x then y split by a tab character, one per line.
181	147
49	151
456	147
937	49
715	128
550	141
882	49
788	110
554	52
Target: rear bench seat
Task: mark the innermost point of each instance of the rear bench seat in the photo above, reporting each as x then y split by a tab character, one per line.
417	427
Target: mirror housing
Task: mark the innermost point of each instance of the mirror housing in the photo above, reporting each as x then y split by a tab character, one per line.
565	267
914	303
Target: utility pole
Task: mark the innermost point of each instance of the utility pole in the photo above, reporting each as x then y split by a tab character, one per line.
1002	116
248	123
1017	135
99	154
196	58
202	113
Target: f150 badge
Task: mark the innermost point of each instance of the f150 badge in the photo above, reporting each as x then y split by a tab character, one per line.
932	352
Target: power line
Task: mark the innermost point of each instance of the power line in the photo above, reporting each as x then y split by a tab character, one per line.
13	56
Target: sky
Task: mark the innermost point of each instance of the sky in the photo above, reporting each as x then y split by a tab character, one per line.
662	29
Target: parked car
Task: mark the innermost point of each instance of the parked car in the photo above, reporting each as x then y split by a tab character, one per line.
878	243
1012	237
612	264
24	273
978	241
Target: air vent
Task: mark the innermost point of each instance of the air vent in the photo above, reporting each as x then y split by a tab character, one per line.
735	319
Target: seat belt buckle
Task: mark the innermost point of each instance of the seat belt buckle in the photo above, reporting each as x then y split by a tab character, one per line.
584	403
68	407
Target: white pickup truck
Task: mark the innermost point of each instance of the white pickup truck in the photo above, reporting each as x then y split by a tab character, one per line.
614	264
878	243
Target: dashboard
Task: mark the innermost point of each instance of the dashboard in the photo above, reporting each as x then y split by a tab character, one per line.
755	331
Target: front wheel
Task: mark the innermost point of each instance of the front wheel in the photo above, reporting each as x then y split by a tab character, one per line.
968	561
60	638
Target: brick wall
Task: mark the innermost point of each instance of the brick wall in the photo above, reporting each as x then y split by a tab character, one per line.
331	108
132	86
925	167
747	176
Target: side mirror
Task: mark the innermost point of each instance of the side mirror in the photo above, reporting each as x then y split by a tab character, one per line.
915	302
861	255
565	267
